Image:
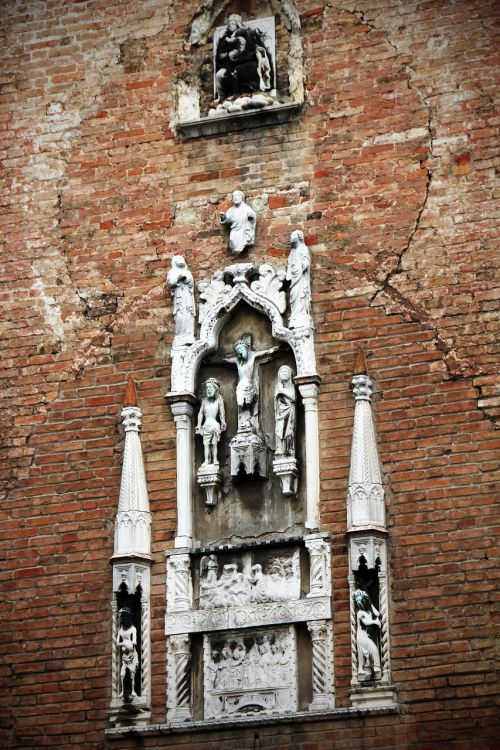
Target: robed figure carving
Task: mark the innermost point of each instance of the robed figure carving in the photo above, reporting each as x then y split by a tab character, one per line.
299	275
243	60
285	399
241	220
180	280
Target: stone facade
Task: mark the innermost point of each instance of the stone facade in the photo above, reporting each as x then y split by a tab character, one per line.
387	167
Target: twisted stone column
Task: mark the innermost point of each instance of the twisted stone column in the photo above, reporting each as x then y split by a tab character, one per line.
322	665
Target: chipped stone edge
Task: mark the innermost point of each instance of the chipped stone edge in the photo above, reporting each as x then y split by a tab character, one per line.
207	126
155	730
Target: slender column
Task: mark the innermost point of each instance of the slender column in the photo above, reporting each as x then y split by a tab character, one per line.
145	649
179	585
115	689
354	649
179	679
182	406
322	665
308	387
384	629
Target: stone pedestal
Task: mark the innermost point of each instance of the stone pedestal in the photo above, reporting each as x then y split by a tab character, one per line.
287	470
210	479
248	452
374	696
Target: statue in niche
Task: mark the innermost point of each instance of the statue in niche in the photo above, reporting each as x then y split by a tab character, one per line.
243	60
285	400
211	420
247	390
242	221
299	275
180	280
126	641
367	619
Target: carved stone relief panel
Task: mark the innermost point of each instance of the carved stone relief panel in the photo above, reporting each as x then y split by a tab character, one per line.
250	672
249	578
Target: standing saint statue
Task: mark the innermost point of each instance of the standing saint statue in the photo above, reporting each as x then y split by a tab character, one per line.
247	390
299	275
285	400
367	618
211	421
180	280
242	221
126	642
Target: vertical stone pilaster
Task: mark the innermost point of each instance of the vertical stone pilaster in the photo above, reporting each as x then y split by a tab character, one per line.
179	679
322	665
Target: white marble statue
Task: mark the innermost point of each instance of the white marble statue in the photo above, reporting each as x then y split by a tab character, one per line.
126	642
285	401
299	275
241	220
247	389
368	653
180	280
211	420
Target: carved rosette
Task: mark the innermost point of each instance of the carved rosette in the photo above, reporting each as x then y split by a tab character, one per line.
319	565
322	665
179	679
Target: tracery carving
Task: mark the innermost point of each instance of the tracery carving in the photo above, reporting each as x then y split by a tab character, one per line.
270	285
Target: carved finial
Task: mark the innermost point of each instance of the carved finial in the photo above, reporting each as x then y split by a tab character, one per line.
360	363
130	393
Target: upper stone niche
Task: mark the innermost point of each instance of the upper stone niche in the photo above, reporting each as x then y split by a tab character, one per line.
250	504
244	68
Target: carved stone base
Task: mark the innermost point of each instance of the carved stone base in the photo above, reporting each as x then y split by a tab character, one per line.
210	479
287	471
248	452
133	713
374	696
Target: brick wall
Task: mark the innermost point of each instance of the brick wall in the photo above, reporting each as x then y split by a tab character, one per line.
389	172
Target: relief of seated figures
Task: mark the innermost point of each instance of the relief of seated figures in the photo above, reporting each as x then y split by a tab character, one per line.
253	586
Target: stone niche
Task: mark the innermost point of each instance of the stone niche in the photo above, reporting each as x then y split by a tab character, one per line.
198	108
248	505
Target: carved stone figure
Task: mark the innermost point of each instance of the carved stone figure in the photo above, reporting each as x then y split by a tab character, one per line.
367	619
180	280
241	220
126	642
299	275
285	399
243	60
247	389
211	420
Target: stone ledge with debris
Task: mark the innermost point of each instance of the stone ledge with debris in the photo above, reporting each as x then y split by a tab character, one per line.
241	103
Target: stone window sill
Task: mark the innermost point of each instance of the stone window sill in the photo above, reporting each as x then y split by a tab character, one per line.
153	730
254	118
